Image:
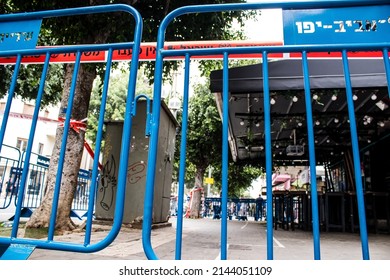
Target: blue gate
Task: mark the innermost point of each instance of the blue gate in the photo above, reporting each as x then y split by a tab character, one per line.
19	33
310	27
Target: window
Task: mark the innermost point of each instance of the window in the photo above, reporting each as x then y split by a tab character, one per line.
2	106
40	148
21	144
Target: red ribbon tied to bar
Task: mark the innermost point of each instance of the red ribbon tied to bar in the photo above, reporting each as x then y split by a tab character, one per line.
77	126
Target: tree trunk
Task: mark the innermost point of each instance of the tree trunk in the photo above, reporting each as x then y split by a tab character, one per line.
195	202
74	150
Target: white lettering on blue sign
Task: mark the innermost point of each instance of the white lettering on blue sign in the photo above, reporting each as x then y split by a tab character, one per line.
337	25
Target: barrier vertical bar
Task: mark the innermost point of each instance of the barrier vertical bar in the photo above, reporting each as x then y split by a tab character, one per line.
225	155
312	158
268	157
29	147
183	150
61	160
356	159
152	155
99	136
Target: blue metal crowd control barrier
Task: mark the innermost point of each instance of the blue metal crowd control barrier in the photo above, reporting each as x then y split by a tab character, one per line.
27	27
9	175
293	43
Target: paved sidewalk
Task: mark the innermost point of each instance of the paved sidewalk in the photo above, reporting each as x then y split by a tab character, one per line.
126	246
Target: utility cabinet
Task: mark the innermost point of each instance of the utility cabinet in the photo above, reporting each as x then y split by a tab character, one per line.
137	167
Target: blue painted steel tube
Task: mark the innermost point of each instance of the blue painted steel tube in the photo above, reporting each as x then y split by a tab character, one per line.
268	158
98	144
312	158
356	159
387	67
183	150
61	158
152	155
34	122
9	99
225	154
126	134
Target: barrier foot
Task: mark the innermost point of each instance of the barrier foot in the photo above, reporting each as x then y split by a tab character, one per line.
75	215
16	252
25	213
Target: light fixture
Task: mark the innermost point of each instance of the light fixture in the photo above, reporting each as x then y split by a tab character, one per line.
257	124
354	97
242	122
373	96
334	97
315	96
295	99
299	124
381	124
336	120
272	101
381	105
318	122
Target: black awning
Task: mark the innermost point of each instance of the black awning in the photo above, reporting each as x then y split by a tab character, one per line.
288	75
288	109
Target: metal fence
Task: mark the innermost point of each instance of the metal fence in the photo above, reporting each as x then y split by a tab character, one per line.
28	177
38	167
295	43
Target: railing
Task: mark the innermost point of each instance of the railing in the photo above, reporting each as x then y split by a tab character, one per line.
22	49
343	46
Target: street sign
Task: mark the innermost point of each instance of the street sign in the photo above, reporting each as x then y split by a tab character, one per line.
209	181
336	25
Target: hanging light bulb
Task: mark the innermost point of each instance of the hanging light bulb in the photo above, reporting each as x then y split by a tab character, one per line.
273	101
334	97
336	120
242	122
318	122
355	97
295	99
315	96
373	96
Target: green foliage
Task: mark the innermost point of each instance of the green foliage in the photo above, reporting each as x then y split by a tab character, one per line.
240	177
204	145
29	80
